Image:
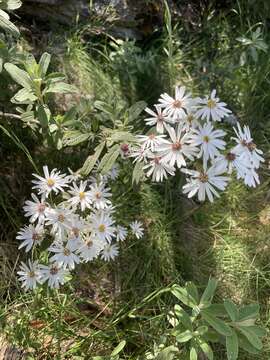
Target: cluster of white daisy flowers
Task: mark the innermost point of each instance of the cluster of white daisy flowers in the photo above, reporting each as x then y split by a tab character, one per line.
71	221
185	134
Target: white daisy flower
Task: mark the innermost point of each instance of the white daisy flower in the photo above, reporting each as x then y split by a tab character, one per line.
151	141
36	210
103	227
91	248
209	141
158	169
80	196
176	107
190	121
53	181
251	178
158	118
54	274
231	161
121	233
109	252
30	235
137	229
174	151
65	254
99	195
139	154
204	183
246	148
211	108
59	218
76	225
29	275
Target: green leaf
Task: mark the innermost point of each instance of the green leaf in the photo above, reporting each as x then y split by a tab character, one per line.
44	63
193	355
245	344
183	295
19	76
249	312
209	292
11	4
61	88
217	310
192	290
231	309
232	346
72	138
168	353
183	317
7	25
44	115
119	348
137	172
24	96
135	110
251	336
109	160
92	159
184	337
206	349
219	325
122	136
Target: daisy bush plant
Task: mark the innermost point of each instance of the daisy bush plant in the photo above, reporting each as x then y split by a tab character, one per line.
186	135
71	221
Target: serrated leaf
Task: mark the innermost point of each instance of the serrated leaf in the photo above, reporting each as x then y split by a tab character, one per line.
232	346
209	292
7	25
61	88
182	294
231	309
219	325
119	348
92	159
19	76
72	138
44	63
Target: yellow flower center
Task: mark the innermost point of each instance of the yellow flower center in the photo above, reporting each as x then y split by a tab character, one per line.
81	195
206	138
31	274
66	252
50	182
211	103
101	228
203	177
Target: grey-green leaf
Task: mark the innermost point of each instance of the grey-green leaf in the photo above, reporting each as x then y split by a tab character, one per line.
232	346
209	292
44	63
92	159
219	325
231	309
119	348
19	76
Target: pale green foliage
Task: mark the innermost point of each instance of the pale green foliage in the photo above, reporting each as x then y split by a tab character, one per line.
5	23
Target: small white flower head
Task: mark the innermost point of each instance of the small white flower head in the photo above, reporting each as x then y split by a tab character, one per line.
109	252
99	196
54	274
158	169
53	181
30	236
121	233
91	248
178	148
150	141
204	183
190	121
158	118
139	154
80	196
231	161
76	225
30	275
176	107
137	229
59	218
212	108
246	148
103	227
36	209
65	254
251	178
209	140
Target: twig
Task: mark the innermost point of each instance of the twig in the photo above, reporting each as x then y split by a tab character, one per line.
9	115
